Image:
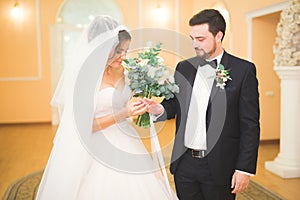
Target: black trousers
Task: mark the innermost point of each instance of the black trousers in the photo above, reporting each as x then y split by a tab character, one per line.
193	181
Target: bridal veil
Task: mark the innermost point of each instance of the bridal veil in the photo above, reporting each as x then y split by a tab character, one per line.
74	96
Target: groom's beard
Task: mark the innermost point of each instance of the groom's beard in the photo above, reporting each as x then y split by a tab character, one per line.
201	53
205	55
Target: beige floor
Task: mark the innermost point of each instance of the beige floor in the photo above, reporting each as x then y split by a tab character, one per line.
25	149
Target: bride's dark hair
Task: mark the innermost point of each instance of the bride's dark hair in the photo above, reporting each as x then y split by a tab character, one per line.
123	36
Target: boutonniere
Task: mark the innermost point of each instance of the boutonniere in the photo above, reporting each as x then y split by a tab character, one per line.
222	76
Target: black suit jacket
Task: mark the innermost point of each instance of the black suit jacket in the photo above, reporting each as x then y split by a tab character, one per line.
232	117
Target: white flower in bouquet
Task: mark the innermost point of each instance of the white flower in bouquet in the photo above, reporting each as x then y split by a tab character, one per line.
143	62
151	71
165	77
160	60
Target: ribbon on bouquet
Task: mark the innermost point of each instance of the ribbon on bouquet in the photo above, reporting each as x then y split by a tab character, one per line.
158	157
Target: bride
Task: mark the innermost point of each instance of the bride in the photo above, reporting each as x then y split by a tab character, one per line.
97	154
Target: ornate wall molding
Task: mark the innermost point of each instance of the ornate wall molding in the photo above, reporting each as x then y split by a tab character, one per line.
39	52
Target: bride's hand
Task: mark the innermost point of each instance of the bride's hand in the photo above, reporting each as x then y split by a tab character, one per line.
137	107
154	107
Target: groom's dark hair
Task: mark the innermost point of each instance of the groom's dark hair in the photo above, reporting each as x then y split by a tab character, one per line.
213	18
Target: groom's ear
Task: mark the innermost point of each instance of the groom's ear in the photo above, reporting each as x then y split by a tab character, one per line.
219	36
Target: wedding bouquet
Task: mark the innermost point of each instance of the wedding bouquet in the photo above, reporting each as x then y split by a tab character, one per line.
147	76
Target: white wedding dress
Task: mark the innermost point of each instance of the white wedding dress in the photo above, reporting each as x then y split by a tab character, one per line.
103	179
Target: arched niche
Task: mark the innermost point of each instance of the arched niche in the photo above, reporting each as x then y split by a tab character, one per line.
81	12
71	18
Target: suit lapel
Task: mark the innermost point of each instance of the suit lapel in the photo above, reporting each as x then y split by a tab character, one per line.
225	59
214	90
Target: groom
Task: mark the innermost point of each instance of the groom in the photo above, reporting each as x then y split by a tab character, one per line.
217	164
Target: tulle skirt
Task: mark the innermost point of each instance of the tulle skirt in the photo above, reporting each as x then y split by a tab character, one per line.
72	172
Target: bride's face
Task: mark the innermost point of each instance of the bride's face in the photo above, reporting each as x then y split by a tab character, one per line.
119	54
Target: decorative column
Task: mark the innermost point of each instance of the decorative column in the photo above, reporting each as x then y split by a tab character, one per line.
287	162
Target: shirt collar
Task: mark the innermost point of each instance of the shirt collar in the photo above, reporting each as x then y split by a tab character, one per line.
218	58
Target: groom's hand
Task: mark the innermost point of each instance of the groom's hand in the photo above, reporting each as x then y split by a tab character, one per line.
154	107
239	182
